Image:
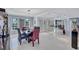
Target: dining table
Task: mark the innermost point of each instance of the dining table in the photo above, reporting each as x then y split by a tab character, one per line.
27	34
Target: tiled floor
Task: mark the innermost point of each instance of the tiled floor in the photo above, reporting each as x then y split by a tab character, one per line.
48	41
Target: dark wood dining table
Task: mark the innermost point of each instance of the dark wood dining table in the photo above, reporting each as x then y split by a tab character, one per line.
28	34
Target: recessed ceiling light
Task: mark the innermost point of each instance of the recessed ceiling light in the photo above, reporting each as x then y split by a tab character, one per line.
28	10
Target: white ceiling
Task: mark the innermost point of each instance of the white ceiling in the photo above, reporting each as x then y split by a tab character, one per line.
24	11
47	12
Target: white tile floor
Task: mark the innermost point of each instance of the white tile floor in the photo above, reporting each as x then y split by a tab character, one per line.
48	41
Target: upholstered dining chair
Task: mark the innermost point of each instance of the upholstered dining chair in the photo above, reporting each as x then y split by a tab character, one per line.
35	35
21	36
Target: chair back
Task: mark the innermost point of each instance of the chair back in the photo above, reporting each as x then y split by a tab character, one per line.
36	33
19	33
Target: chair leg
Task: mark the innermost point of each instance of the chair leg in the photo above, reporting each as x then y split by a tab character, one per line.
20	41
3	43
38	40
33	43
29	39
26	39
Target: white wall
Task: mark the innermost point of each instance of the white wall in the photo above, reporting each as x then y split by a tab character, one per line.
67	24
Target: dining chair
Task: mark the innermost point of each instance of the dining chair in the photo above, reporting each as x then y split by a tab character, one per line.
21	36
35	35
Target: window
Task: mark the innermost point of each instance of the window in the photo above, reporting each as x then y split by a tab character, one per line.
14	24
27	22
